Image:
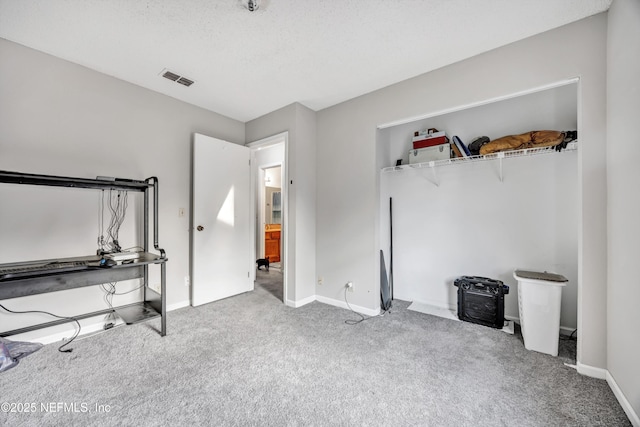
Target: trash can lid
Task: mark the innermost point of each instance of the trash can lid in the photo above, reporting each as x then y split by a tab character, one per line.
536	275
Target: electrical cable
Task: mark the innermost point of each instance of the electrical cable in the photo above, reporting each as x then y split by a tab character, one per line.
75	335
362	317
117	205
118	202
570	337
108	298
128	292
114	219
110	290
101	223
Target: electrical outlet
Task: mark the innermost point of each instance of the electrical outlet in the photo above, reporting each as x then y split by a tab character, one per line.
349	286
156	287
186	281
320	280
180	212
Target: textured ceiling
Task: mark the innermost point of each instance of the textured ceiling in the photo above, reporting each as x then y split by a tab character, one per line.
246	64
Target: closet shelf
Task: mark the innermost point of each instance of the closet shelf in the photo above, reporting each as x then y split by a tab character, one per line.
572	146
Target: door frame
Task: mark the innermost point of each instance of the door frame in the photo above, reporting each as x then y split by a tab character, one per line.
257	171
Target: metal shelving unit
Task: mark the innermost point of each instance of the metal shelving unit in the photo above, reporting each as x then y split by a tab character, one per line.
154	303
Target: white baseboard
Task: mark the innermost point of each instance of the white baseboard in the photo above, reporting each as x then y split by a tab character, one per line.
628	409
512	318
64	331
342	304
591	371
439	311
300	303
437	304
564	330
88	326
178	305
604	374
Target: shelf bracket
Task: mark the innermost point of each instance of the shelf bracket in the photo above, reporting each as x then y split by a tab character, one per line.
434	180
435	174
500	157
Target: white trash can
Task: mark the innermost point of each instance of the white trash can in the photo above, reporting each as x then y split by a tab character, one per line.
539	298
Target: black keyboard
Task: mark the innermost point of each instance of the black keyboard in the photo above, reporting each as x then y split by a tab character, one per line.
38	269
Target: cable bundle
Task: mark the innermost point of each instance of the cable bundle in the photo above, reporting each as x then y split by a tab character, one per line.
117	204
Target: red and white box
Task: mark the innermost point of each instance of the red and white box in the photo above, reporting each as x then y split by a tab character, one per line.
429	140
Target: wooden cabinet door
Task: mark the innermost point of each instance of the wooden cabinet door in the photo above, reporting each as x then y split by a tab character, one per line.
272	246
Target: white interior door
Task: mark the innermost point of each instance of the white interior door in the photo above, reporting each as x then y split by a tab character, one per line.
222	244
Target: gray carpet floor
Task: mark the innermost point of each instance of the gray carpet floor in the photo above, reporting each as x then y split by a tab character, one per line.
271	281
251	361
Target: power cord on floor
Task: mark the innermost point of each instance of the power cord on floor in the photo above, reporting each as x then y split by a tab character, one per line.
75	335
362	317
570	337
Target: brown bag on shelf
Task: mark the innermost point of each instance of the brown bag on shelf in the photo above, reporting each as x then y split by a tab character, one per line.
534	139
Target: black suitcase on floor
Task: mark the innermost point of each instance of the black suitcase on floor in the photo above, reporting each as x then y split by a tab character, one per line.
481	300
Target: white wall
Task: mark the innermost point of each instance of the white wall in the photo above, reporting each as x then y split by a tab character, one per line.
348	188
59	118
273	177
306	205
623	174
300	234
473	224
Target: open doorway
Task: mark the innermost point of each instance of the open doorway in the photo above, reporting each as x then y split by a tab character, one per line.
270	201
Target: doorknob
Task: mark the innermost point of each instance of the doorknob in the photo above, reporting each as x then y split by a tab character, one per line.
199	228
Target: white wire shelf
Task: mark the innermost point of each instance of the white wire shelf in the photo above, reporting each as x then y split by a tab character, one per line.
572	146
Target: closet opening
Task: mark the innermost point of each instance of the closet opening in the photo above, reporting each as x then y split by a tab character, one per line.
488	216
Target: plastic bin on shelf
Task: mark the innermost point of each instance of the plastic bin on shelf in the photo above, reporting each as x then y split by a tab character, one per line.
539	299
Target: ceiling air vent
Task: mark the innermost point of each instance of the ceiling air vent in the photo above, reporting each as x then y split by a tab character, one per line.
184	81
176	78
